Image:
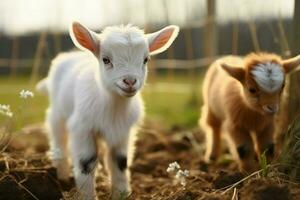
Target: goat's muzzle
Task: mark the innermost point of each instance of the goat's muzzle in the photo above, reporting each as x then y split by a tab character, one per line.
128	91
271	109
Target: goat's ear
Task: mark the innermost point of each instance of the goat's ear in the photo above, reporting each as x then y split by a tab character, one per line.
234	71
83	38
291	64
161	40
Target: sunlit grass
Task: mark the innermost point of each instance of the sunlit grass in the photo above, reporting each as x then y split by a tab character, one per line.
26	111
172	108
174	101
170	102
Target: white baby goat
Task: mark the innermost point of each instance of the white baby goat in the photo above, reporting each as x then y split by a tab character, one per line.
96	92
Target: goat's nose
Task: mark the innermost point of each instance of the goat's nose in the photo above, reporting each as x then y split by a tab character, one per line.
129	81
272	108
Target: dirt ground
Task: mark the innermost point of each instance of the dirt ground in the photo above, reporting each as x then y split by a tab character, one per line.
26	171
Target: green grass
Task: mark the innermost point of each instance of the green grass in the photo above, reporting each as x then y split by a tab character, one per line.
178	103
26	111
263	164
174	101
171	108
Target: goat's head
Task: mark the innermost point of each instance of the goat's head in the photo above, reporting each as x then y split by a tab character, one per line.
263	79
123	53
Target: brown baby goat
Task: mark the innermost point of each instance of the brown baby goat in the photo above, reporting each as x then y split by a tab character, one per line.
241	98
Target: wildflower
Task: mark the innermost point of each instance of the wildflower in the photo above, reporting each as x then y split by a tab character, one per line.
173	167
180	175
26	93
5	110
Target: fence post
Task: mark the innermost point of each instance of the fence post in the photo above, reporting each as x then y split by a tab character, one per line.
14	57
210	30
38	56
235	37
57	42
253	33
170	51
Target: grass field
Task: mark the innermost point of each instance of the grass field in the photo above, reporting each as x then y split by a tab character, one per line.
26	111
170	102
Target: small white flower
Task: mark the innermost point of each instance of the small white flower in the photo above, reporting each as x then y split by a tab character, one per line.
186	173
173	167
180	175
26	93
183	182
4	107
5	110
9	114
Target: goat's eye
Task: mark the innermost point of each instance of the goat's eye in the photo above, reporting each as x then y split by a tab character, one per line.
106	61
146	60
283	85
252	90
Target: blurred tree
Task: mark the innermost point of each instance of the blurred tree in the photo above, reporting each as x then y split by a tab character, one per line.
294	97
210	30
290	151
290	107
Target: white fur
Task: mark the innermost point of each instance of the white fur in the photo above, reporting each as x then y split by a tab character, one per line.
86	95
269	76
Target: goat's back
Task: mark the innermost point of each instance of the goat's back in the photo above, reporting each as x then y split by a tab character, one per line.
218	85
64	74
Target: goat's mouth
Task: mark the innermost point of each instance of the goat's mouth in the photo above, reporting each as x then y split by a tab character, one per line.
127	92
270	113
270	110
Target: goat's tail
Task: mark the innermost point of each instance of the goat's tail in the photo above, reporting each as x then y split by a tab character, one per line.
42	87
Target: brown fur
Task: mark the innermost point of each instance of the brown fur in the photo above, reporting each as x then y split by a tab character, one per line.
230	107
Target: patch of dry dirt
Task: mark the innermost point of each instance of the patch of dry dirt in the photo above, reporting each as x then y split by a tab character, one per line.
26	172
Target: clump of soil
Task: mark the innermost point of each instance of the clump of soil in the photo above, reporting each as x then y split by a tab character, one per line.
224	179
27	184
262	189
26	172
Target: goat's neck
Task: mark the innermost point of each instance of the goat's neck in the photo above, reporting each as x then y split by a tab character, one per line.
245	102
115	100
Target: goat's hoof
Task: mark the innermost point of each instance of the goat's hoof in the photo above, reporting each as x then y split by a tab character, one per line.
248	167
117	194
62	169
85	197
210	159
63	174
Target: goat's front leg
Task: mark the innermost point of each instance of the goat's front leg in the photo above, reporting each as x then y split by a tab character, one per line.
58	143
241	145
265	142
212	125
117	165
84	156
